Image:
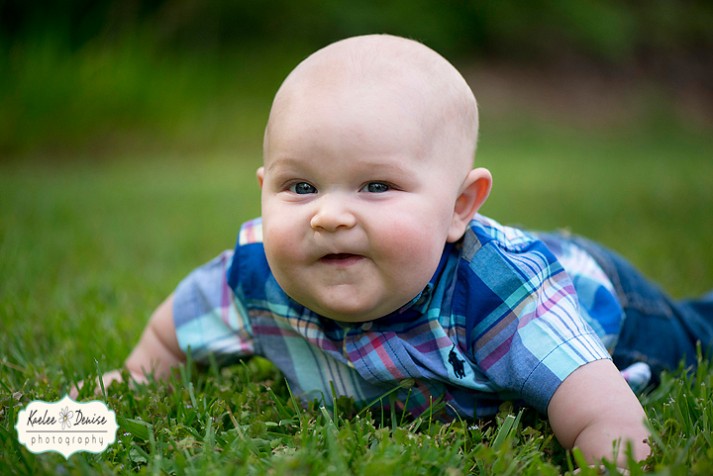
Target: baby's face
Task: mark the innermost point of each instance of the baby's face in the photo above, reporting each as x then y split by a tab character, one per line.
356	206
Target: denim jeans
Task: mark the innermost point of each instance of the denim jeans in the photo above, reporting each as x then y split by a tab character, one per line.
657	330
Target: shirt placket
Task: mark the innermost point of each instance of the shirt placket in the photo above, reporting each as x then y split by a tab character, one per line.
352	332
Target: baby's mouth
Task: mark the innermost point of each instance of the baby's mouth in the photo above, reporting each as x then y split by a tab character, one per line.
340	258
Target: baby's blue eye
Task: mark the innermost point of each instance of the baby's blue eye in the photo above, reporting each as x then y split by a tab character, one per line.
376	187
302	188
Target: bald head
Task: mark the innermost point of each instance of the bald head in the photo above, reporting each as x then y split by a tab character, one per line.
402	83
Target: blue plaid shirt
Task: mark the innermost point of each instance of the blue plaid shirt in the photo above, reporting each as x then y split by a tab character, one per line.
500	320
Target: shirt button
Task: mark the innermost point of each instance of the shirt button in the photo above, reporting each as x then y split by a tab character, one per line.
366	326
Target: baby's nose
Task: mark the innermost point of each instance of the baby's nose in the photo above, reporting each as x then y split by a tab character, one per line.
332	214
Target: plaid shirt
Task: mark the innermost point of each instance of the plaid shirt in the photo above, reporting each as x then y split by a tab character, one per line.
500	320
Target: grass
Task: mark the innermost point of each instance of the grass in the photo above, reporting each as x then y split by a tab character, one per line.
88	248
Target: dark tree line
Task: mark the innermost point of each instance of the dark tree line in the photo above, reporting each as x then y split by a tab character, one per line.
611	31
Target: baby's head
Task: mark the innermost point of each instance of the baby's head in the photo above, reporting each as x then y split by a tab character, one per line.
367	175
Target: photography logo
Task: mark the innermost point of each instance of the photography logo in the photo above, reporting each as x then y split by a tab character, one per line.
66	426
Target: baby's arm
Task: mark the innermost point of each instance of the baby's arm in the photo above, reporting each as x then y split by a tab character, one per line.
594	407
156	353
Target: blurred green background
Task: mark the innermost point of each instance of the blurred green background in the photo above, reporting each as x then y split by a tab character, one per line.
106	76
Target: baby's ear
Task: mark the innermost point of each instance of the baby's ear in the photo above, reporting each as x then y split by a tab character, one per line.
260	175
474	192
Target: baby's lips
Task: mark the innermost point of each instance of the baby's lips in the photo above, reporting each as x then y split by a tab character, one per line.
341	258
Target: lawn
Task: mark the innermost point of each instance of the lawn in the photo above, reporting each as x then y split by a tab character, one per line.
89	247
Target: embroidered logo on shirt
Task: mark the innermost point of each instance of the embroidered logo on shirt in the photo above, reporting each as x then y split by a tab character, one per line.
456	363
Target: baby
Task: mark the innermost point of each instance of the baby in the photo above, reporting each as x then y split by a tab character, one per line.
371	270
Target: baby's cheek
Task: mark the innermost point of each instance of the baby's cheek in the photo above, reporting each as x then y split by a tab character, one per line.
406	242
276	243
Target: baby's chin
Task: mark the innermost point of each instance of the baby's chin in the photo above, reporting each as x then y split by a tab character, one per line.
346	314
357	299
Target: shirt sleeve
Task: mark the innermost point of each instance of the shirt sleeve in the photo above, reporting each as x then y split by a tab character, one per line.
524	324
553	341
208	318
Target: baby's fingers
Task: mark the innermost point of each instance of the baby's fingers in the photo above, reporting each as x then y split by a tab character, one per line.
107	379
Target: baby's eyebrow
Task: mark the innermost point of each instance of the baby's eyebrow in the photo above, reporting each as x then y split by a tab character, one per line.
287	161
284	166
378	166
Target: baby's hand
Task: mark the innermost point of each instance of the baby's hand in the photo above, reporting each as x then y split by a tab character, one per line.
107	379
595	407
603	470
